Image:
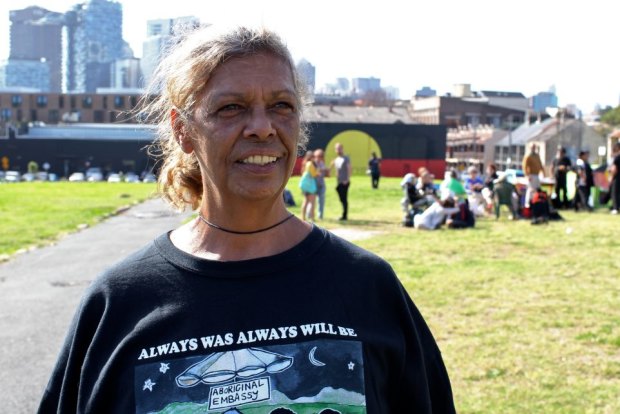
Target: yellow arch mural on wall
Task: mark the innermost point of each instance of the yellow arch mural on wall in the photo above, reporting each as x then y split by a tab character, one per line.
358	145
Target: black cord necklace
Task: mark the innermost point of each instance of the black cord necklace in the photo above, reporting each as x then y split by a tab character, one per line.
215	226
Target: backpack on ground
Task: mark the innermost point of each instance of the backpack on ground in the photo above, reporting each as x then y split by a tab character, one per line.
540	207
464	218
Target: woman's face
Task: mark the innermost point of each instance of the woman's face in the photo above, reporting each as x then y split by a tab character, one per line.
246	128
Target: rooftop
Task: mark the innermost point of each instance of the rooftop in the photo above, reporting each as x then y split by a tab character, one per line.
119	132
358	114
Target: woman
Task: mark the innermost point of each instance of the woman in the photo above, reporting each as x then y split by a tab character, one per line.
451	186
246	303
308	185
489	185
426	187
319	159
474	184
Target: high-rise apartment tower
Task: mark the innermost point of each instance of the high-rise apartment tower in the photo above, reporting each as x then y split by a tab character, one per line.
36	49
94	42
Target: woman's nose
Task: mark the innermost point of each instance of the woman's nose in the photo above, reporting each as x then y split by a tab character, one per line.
259	124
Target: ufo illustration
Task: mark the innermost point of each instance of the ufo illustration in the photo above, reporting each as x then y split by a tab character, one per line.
221	367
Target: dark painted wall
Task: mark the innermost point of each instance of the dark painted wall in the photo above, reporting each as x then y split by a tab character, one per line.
66	156
404	148
396	140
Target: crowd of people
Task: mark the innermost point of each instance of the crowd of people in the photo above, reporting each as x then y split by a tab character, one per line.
458	202
460	199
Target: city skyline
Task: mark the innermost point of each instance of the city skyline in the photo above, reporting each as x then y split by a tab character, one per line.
409	46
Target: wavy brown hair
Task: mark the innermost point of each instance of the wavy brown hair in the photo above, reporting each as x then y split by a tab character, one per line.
178	84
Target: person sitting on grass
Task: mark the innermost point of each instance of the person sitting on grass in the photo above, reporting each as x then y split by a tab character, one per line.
426	187
505	194
434	216
473	186
451	186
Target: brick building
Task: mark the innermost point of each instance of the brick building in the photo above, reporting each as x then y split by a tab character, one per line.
19	108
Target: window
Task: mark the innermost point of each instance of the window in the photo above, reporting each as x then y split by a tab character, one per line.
6	114
42	101
61	101
54	116
87	102
497	153
119	101
16	100
72	100
494	119
472	119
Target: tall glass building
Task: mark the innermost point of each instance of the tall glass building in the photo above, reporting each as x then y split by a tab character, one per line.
94	40
159	33
308	72
35	58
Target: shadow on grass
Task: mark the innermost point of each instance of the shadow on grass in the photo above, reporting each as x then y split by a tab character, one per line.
362	223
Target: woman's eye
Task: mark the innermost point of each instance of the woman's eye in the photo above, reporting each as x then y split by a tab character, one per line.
230	107
284	106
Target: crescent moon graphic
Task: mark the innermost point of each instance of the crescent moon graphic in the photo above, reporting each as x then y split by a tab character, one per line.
313	360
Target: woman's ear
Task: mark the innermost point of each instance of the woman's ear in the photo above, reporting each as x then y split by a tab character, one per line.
180	132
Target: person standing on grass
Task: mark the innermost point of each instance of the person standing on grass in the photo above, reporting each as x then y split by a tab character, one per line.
246	296
614	170
343	176
308	185
584	182
532	168
319	159
560	168
374	166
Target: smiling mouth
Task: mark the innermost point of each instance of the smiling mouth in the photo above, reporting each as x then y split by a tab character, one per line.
259	160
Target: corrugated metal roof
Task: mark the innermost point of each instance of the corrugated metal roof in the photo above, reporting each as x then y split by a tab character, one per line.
130	132
317	113
359	114
526	132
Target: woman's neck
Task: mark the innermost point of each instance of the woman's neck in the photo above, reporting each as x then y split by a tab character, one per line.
255	235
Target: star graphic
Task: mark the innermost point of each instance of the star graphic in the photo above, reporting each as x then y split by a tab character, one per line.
148	384
164	367
351	366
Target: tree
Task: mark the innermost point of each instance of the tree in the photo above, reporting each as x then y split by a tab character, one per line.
603	111
612	117
377	97
33	167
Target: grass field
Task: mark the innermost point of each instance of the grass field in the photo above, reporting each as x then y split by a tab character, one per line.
36	213
527	317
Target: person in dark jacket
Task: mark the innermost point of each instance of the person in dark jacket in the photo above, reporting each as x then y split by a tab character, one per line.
560	167
614	170
374	167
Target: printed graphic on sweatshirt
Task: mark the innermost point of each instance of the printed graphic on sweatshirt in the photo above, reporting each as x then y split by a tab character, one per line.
321	376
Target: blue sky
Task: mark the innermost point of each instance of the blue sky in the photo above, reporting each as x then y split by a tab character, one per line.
525	46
